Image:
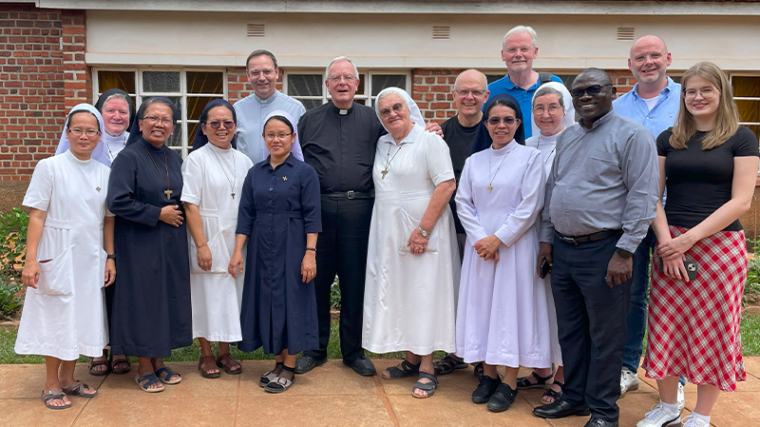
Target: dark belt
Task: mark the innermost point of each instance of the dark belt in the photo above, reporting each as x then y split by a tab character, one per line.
586	238
350	195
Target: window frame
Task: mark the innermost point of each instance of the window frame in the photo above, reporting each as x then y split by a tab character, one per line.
183	121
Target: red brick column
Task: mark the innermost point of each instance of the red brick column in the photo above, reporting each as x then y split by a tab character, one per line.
77	81
31	88
431	90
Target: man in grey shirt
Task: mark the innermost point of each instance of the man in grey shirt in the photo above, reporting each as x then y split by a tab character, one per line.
600	201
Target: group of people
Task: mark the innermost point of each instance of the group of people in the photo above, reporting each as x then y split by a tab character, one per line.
508	236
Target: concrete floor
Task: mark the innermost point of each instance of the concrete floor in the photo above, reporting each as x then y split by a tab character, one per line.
331	395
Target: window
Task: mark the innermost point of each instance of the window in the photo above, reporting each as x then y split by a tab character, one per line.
309	87
190	90
747	97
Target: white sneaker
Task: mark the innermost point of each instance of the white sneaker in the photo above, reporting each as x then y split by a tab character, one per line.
629	381
680	400
693	422
659	416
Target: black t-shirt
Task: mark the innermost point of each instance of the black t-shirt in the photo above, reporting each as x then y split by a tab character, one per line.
459	139
699	181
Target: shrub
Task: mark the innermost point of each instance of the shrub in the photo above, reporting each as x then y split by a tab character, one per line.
13	227
10	301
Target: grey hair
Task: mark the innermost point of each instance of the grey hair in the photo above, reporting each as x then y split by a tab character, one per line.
483	76
338	59
519	30
547	90
118	96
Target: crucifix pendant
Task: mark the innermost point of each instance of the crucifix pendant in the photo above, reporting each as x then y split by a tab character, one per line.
168	194
233	195
489	188
384	172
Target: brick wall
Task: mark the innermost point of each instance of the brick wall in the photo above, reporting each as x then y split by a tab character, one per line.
238	86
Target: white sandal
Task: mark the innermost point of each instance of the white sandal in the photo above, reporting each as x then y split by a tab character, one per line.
279	385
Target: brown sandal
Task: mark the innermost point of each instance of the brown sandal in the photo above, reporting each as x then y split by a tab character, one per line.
226	362
94	363
79	389
205	365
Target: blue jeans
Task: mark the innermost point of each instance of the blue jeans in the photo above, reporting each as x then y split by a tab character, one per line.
637	315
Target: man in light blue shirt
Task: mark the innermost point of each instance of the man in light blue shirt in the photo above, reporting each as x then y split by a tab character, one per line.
518	52
261	69
653	102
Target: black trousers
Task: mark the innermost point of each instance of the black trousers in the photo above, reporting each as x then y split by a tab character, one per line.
591	320
342	250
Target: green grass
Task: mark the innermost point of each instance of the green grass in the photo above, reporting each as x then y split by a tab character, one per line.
750	342
185	354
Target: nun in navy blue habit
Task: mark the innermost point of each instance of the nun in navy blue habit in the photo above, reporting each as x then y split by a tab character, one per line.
151	311
483	139
280	217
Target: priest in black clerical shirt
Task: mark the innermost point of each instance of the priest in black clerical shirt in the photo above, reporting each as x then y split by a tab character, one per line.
338	140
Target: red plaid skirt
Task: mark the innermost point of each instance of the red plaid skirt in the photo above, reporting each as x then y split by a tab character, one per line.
694	326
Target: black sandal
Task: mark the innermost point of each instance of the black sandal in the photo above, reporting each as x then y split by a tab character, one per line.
112	363
556	395
478	371
406	369
541	382
428	388
448	364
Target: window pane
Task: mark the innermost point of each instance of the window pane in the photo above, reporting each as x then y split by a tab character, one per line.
746	86
311	103
205	82
191	129
195	106
749	111
176	139
382	81
305	85
362	78
124	80
493	77
177	100
160	81
567	80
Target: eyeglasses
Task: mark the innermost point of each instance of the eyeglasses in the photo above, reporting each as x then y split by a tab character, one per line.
654	56
706	93
553	109
271	136
266	72
396	108
89	132
592	90
496	121
466	93
154	120
228	124
335	78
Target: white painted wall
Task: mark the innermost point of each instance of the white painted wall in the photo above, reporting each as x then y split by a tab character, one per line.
568	42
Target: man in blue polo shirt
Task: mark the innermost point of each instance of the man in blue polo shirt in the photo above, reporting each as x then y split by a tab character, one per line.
653	102
518	52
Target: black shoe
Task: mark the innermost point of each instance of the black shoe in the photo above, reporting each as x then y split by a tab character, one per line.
306	363
598	422
485	389
560	409
502	399
361	365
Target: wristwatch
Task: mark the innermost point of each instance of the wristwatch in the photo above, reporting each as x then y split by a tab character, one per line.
111	256
624	253
423	232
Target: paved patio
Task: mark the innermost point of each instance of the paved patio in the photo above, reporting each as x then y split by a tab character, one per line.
331	395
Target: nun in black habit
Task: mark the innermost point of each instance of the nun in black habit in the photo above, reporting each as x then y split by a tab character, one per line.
152	311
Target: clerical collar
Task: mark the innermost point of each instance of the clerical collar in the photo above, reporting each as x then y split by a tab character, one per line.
342	111
268	100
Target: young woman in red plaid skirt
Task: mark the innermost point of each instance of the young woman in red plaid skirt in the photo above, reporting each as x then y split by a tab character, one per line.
709	163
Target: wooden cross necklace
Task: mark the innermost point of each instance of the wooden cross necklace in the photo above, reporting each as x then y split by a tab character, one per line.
389	159
234	171
168	191
490	184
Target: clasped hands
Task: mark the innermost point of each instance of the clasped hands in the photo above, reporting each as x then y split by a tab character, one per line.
488	248
672	253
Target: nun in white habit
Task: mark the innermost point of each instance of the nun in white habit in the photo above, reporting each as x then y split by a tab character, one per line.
413	260
213	177
66	264
502	315
553	112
